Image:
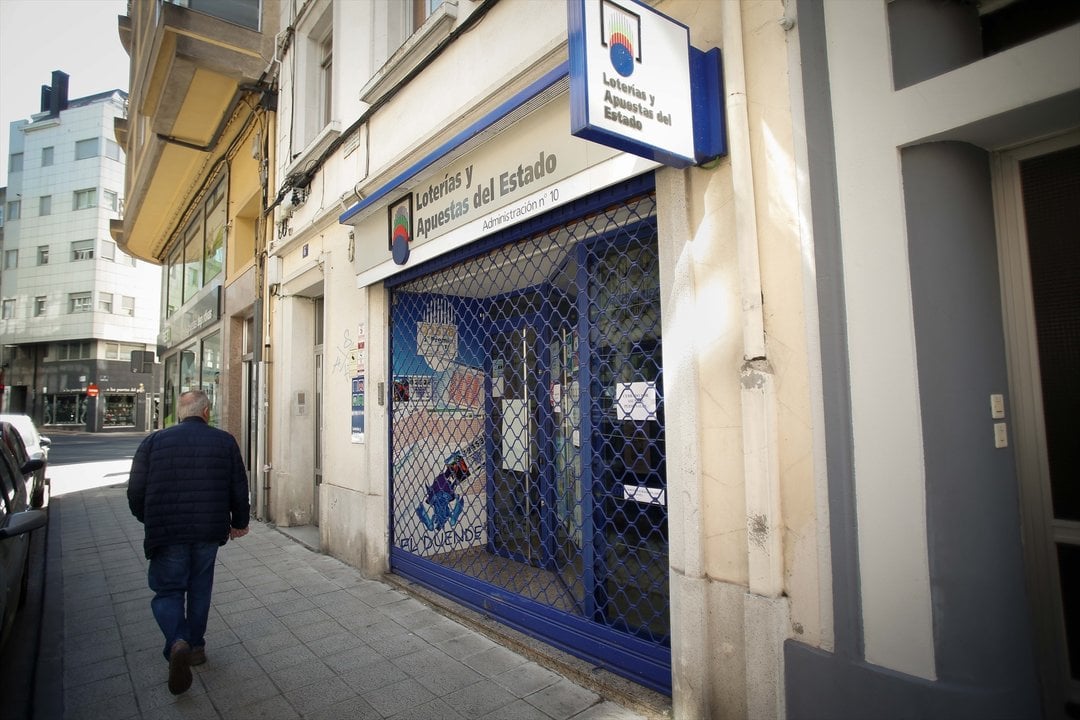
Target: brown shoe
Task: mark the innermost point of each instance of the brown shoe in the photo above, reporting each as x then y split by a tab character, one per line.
179	667
198	656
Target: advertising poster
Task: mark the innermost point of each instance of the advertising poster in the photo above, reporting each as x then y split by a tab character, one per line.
439	459
358	409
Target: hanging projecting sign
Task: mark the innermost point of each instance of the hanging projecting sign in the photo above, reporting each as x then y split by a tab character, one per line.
638	86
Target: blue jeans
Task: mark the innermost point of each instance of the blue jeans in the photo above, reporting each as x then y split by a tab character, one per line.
182	575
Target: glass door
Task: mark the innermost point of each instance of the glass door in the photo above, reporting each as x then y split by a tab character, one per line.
516	496
1038	205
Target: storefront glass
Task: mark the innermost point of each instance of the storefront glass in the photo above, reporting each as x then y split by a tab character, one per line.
65	409
118	410
211	373
528	450
171	394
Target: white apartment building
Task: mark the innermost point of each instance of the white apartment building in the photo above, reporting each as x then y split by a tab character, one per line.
74	306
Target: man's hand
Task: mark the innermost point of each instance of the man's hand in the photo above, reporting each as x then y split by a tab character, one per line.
234	533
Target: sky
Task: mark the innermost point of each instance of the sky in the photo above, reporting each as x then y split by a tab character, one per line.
78	37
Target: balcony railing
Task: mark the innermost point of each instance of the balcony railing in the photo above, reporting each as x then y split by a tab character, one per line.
239	12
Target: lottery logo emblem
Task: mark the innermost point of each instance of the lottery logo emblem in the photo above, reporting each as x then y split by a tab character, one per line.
621	36
401	229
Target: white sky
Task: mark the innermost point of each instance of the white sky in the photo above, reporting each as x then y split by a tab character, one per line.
78	37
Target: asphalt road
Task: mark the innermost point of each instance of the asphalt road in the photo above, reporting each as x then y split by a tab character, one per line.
30	659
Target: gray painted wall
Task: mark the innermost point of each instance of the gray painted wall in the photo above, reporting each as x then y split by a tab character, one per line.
982	637
981	629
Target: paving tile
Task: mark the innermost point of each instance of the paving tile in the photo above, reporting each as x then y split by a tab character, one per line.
563	699
436	708
519	710
274	708
320	694
526	679
607	711
243	694
297	676
285	657
398	697
355	708
493	661
480	699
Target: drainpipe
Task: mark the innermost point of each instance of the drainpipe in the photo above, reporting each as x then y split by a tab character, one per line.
765	612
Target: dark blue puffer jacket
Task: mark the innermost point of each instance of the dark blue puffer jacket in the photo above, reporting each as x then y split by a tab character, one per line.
188	484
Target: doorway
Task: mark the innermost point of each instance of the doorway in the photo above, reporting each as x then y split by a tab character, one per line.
1037	198
528	470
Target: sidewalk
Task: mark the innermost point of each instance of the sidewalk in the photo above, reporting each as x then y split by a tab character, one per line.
292	634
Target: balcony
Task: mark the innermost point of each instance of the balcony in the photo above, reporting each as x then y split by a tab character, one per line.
192	81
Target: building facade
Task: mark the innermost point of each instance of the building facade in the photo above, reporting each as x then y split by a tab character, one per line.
75	307
198	136
779	434
765	434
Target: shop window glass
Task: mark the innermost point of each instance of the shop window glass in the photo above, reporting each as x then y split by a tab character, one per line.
175	291
193	255
214	258
211	374
65	409
118	410
170	394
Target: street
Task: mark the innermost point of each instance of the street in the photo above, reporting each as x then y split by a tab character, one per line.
77	461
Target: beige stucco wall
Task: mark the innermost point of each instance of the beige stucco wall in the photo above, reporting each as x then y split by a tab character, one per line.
714	618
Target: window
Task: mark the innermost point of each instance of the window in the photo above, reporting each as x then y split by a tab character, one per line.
11	259
43	255
39	306
82	250
1	215
45	205
174	297
104	302
14	209
86	148
214	250
193	254
315	81
127	305
85	199
112	150
15	162
9	309
240	12
112	201
46	156
79	302
108	250
326	65
73	351
422	9
112	351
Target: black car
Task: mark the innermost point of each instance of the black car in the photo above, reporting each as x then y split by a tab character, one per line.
17	519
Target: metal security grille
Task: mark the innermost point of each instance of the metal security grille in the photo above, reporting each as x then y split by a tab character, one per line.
527	435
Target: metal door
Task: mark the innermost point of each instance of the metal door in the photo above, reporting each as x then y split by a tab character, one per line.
527	445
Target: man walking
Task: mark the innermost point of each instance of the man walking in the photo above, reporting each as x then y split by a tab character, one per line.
189	489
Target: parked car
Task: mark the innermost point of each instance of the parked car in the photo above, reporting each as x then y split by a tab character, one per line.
17	520
37	448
